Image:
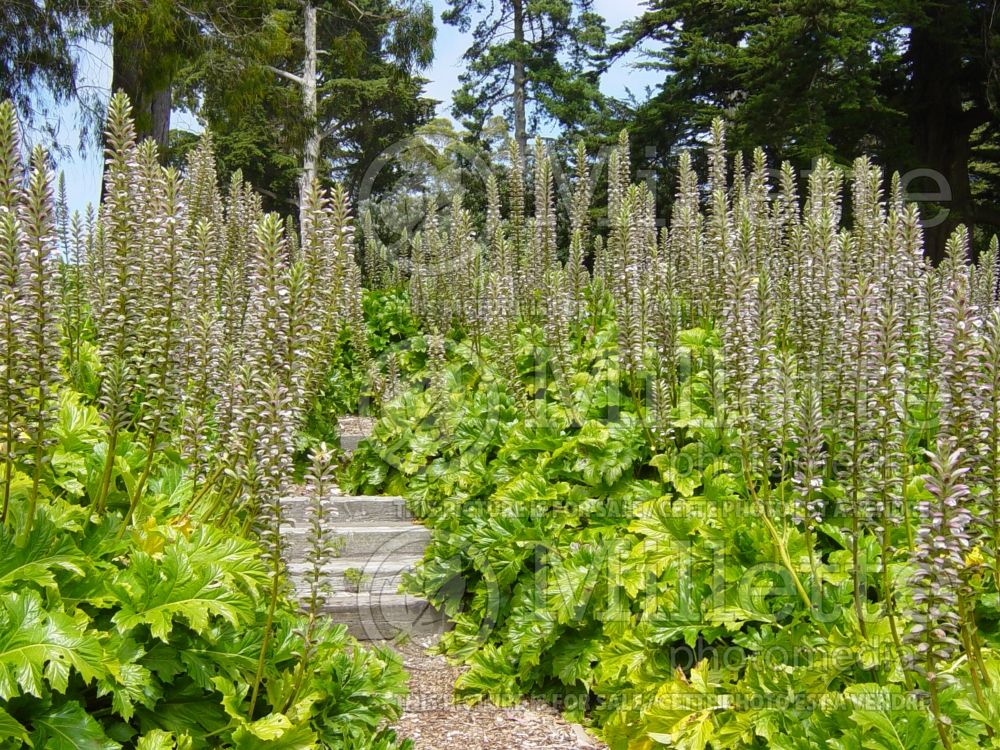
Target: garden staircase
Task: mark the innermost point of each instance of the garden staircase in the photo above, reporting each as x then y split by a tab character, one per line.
379	542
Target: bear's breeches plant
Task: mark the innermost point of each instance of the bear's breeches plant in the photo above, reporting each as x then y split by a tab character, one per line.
731	482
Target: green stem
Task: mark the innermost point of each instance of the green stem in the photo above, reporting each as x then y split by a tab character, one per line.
300	671
812	553
971	643
779	542
206	487
141	484
787	562
856	577
8	476
268	622
100	501
974	665
222	499
935	701
36	478
890	597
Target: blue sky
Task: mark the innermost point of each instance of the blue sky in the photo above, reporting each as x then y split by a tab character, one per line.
83	172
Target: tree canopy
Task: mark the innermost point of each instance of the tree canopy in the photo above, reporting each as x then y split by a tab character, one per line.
369	91
911	83
534	59
36	54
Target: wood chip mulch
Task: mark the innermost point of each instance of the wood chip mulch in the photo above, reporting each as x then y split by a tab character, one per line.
435	722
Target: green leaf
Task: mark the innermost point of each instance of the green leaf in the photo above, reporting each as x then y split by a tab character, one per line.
156	740
69	727
673	469
187	707
128	681
286	738
270	727
35	643
156	593
11	729
47	549
491	675
884	722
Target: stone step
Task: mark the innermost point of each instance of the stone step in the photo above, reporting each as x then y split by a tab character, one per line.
374	617
383	576
362	541
377	535
348	509
350	443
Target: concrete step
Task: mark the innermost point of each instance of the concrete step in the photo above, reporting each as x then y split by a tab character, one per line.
348	509
383	616
383	575
362	541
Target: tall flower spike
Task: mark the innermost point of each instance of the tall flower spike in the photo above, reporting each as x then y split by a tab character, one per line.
938	559
582	191
322	547
985	278
39	369
161	325
988	470
545	213
515	189
960	344
12	396
11	388
10	158
811	458
942	543
684	247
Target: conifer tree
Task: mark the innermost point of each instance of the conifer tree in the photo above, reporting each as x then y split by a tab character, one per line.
533	59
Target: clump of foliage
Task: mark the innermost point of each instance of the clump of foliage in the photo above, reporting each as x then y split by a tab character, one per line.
355	579
736	487
152	380
370	362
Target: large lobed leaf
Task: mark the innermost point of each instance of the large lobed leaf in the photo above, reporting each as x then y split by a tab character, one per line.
158	593
69	727
37	644
37	559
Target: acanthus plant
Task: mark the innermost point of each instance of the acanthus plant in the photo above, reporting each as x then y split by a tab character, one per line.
731	428
149	405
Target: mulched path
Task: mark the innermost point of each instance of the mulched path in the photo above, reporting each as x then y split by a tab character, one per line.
435	722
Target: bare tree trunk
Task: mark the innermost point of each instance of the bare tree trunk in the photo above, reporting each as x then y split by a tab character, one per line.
148	89
161	103
520	129
942	125
311	151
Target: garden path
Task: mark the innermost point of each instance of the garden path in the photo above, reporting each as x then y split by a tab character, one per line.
435	722
380	541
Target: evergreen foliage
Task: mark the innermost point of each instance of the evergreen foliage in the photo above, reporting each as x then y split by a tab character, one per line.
535	60
369	93
911	84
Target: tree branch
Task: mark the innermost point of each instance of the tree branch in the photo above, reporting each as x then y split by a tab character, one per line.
284	74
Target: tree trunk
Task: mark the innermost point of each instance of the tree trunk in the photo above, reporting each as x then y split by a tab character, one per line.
311	150
149	91
520	129
941	124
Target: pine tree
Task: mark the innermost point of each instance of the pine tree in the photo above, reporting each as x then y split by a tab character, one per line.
536	60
